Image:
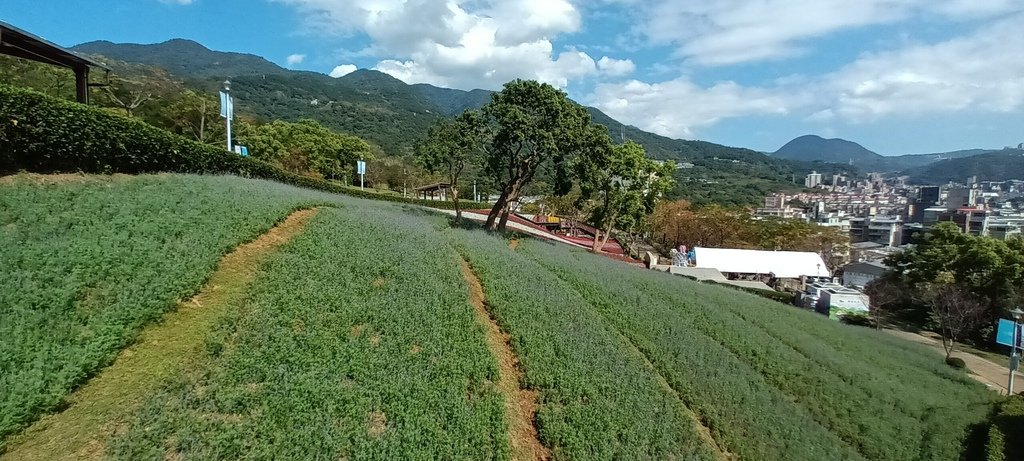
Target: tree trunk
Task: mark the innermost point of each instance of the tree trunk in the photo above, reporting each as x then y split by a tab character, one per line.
202	123
455	199
607	234
496	210
596	247
513	195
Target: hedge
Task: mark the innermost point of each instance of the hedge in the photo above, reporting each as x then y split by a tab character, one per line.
1006	434
42	134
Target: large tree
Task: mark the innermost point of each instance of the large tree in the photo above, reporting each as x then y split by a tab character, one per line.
450	147
622	182
534	126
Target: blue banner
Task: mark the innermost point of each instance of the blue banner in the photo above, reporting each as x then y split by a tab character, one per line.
1004	334
227	106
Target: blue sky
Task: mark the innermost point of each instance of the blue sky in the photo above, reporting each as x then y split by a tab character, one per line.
898	76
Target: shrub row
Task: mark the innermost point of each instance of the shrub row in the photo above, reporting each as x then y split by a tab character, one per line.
1006	434
42	134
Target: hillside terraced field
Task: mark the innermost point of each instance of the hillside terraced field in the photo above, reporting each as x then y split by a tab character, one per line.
363	338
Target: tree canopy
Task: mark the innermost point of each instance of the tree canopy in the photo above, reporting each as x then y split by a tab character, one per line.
534	126
450	147
622	182
304	147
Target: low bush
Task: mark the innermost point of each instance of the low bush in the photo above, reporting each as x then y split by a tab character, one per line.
956	362
860	320
42	134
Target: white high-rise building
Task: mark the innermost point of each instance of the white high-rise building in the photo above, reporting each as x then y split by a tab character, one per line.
812	180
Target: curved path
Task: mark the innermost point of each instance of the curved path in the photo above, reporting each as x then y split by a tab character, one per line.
102	406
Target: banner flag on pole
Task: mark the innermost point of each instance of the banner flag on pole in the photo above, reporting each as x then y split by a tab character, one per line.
227	106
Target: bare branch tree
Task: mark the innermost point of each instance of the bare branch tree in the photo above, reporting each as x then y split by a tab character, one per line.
958	313
128	94
885	296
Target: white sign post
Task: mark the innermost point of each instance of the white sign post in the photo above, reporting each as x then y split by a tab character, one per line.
227	108
361	170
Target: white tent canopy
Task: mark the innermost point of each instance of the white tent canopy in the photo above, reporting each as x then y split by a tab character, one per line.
783	264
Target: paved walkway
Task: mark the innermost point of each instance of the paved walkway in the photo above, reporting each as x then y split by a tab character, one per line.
991	374
514	226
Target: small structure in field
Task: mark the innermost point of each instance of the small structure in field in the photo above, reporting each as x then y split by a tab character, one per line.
863	273
437	191
834	300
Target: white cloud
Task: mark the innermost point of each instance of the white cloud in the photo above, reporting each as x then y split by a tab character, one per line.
722	32
294	59
459	43
615	67
676	107
343	70
981	71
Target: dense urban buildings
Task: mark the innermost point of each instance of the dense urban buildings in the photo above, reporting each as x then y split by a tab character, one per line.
881	213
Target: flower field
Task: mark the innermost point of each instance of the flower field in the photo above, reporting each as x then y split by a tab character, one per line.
88	260
761	373
358	340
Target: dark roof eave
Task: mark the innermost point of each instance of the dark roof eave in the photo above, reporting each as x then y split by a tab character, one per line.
62	56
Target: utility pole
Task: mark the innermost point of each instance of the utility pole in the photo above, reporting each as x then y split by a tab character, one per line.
1016	313
227	109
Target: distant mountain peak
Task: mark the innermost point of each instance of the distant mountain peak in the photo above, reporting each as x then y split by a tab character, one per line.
184	57
814	148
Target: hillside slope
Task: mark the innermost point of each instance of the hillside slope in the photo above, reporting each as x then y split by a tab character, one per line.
1000	165
365	359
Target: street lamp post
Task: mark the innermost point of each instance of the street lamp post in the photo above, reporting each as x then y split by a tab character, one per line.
1016	313
229	111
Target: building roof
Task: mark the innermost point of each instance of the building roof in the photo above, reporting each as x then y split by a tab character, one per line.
699	273
866	267
748	284
434	187
782	264
22	44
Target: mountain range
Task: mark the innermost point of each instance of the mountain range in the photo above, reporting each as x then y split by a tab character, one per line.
393	115
987	164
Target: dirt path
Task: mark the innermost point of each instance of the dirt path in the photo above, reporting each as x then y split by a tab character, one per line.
102	406
991	374
520	404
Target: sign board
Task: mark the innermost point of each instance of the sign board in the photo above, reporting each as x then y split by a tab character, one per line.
1004	334
242	150
360	167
